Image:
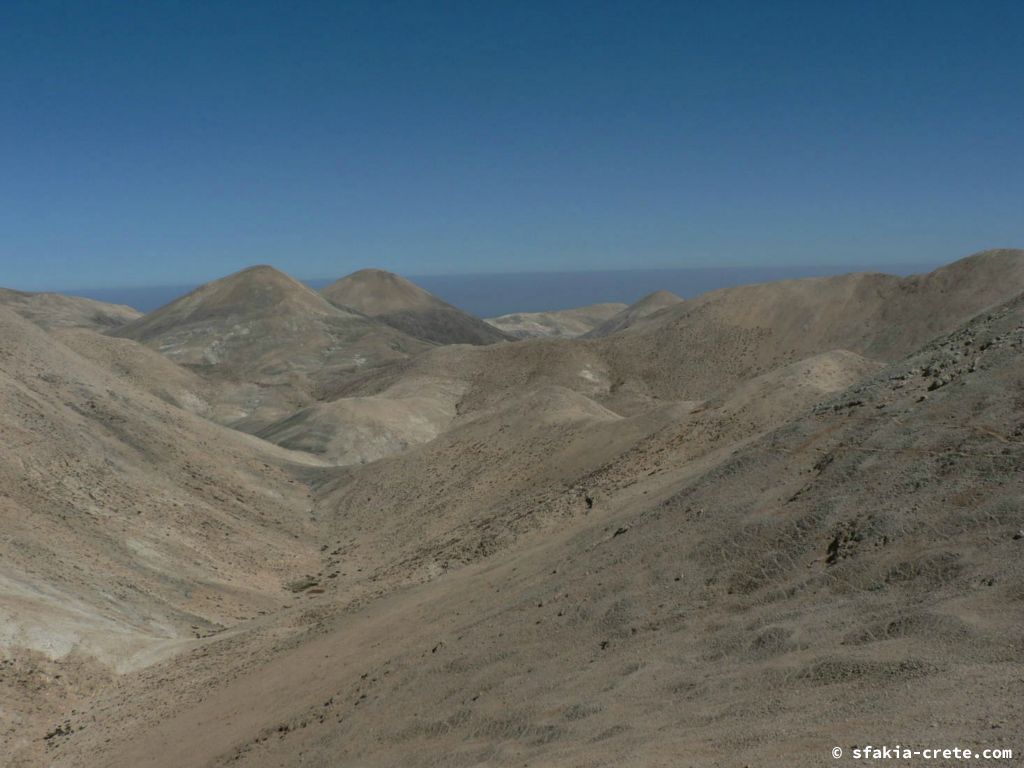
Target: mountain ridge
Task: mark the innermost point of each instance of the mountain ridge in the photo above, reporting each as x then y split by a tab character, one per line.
501	553
649	304
55	310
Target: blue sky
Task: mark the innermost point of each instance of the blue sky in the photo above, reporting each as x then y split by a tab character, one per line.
173	142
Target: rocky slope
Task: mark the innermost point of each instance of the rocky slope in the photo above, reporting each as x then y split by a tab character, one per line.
764	522
859	564
563	323
130	525
55	310
628	316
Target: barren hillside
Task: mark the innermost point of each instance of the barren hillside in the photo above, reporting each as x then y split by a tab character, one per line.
629	316
55	310
859	566
130	525
394	300
261	327
768	520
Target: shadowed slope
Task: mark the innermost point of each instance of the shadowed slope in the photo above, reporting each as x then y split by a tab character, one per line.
648	305
394	300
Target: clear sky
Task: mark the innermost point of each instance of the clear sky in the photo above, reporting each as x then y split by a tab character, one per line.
172	142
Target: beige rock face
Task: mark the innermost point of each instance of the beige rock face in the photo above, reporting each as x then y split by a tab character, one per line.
357	430
565	323
743	529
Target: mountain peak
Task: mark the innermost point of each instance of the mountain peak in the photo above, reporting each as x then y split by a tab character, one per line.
394	300
656	300
250	290
263	275
376	292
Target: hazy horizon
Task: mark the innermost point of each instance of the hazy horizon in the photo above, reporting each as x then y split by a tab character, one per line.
488	294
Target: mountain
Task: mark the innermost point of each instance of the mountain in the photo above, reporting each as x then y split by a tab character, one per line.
263	327
703	348
563	323
626	317
591	551
54	310
858	557
714	341
394	300
130	526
